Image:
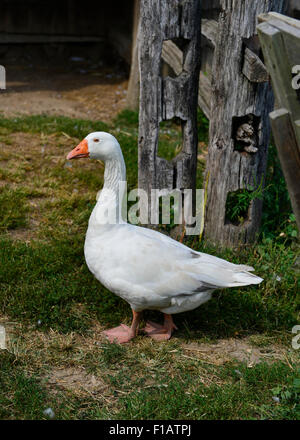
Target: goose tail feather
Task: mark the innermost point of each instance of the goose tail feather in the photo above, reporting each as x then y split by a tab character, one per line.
246	278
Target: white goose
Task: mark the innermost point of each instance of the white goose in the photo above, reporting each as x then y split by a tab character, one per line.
144	267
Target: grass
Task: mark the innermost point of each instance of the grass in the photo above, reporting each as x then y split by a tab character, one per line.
45	281
238	204
145	381
58	309
76	128
28	396
13	208
232	399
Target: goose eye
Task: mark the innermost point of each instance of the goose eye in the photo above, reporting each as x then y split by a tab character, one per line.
96	140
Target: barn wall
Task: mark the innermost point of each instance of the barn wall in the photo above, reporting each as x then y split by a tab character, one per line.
111	21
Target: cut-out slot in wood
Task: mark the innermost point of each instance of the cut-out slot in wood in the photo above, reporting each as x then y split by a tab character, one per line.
172	56
170	138
245	133
238	205
253	44
253	64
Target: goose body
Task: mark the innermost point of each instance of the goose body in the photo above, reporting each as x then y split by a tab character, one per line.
147	269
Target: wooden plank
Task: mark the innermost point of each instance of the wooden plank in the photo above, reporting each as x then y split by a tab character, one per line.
290	31
209	28
172	55
280	40
253	68
289	155
133	91
297	132
271	16
276	59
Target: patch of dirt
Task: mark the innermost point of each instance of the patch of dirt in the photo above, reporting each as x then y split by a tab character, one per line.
76	380
76	91
64	360
23	234
226	350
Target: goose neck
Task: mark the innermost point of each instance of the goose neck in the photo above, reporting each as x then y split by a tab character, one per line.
114	173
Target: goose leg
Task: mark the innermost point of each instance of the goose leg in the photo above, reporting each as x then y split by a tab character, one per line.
123	333
161	332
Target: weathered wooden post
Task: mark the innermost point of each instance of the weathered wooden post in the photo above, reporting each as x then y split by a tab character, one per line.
162	98
133	91
239	120
280	40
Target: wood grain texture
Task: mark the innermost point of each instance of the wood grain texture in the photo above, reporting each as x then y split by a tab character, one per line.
253	68
173	56
280	40
133	90
209	29
289	155
234	96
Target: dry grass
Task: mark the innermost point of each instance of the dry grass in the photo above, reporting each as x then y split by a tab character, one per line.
223	363
32	165
87	369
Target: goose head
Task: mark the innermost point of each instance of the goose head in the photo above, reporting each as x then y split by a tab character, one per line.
99	145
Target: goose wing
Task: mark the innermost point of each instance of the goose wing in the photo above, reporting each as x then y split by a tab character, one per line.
143	265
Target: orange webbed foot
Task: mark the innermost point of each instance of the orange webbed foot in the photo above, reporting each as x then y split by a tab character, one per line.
120	334
160	332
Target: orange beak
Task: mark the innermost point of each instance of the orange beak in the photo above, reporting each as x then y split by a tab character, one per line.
80	151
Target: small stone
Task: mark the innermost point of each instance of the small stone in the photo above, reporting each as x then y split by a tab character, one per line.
48	412
2	338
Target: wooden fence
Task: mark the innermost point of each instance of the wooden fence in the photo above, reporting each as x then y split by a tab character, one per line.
235	94
280	41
